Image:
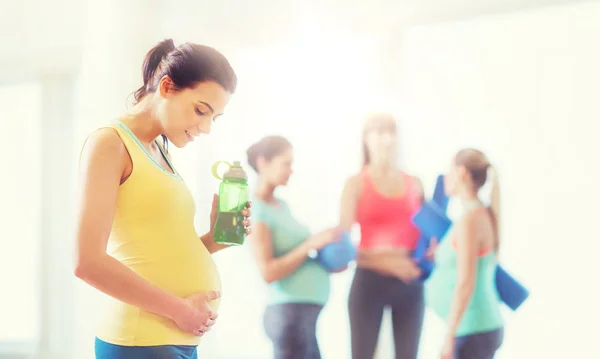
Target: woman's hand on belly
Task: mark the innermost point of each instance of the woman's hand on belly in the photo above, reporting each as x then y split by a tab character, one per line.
196	315
389	261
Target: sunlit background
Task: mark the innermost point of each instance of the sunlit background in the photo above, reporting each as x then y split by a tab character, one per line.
519	79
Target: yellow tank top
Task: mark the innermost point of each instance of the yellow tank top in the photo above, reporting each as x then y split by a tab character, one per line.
153	234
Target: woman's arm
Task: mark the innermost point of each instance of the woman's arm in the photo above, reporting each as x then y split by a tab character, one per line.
348	207
433	242
467	239
209	242
348	202
420	188
103	162
274	268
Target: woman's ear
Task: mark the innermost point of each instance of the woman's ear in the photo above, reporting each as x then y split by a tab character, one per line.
165	86
261	162
463	174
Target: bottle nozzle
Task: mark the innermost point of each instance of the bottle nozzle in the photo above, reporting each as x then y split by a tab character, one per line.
235	170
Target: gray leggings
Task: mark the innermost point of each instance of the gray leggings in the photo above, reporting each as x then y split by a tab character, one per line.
370	294
479	346
292	329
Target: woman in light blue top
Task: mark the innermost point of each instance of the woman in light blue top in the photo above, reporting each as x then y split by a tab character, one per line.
462	287
298	287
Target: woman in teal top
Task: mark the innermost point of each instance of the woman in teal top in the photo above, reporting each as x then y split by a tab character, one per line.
298	287
462	287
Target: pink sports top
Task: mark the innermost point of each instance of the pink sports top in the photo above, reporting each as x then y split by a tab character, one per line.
386	221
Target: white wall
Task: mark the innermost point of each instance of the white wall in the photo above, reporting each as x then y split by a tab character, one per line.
20	191
522	87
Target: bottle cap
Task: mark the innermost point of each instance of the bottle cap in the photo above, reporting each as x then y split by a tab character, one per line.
235	170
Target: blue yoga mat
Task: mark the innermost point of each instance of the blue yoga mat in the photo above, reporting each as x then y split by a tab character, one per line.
432	221
339	254
439	195
441	200
511	292
419	254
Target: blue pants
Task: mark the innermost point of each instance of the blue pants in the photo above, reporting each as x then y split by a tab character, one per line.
479	346
106	350
292	329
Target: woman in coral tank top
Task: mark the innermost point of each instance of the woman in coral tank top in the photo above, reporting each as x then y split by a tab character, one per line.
382	199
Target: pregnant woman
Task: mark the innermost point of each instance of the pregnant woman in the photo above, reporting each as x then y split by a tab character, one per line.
462	288
298	285
136	240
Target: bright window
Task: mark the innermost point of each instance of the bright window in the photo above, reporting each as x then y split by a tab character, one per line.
21	208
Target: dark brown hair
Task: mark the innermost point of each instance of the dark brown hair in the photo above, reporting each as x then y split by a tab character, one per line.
376	122
267	148
186	65
478	166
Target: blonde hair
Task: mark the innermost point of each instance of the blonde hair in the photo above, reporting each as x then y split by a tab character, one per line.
376	121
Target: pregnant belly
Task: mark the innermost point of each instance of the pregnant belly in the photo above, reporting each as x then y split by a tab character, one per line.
175	270
180	270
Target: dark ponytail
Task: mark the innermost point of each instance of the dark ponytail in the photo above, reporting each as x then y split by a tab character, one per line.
186	65
151	63
268	147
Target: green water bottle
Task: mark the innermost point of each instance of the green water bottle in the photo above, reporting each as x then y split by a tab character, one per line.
233	197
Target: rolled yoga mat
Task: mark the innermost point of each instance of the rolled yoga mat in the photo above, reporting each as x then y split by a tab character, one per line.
337	255
511	292
439	194
432	221
437	210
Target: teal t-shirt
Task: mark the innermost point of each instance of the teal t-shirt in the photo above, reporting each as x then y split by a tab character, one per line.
310	282
483	312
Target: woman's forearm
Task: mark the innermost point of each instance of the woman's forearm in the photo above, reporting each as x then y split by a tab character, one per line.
278	268
466	237
209	242
462	296
118	281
